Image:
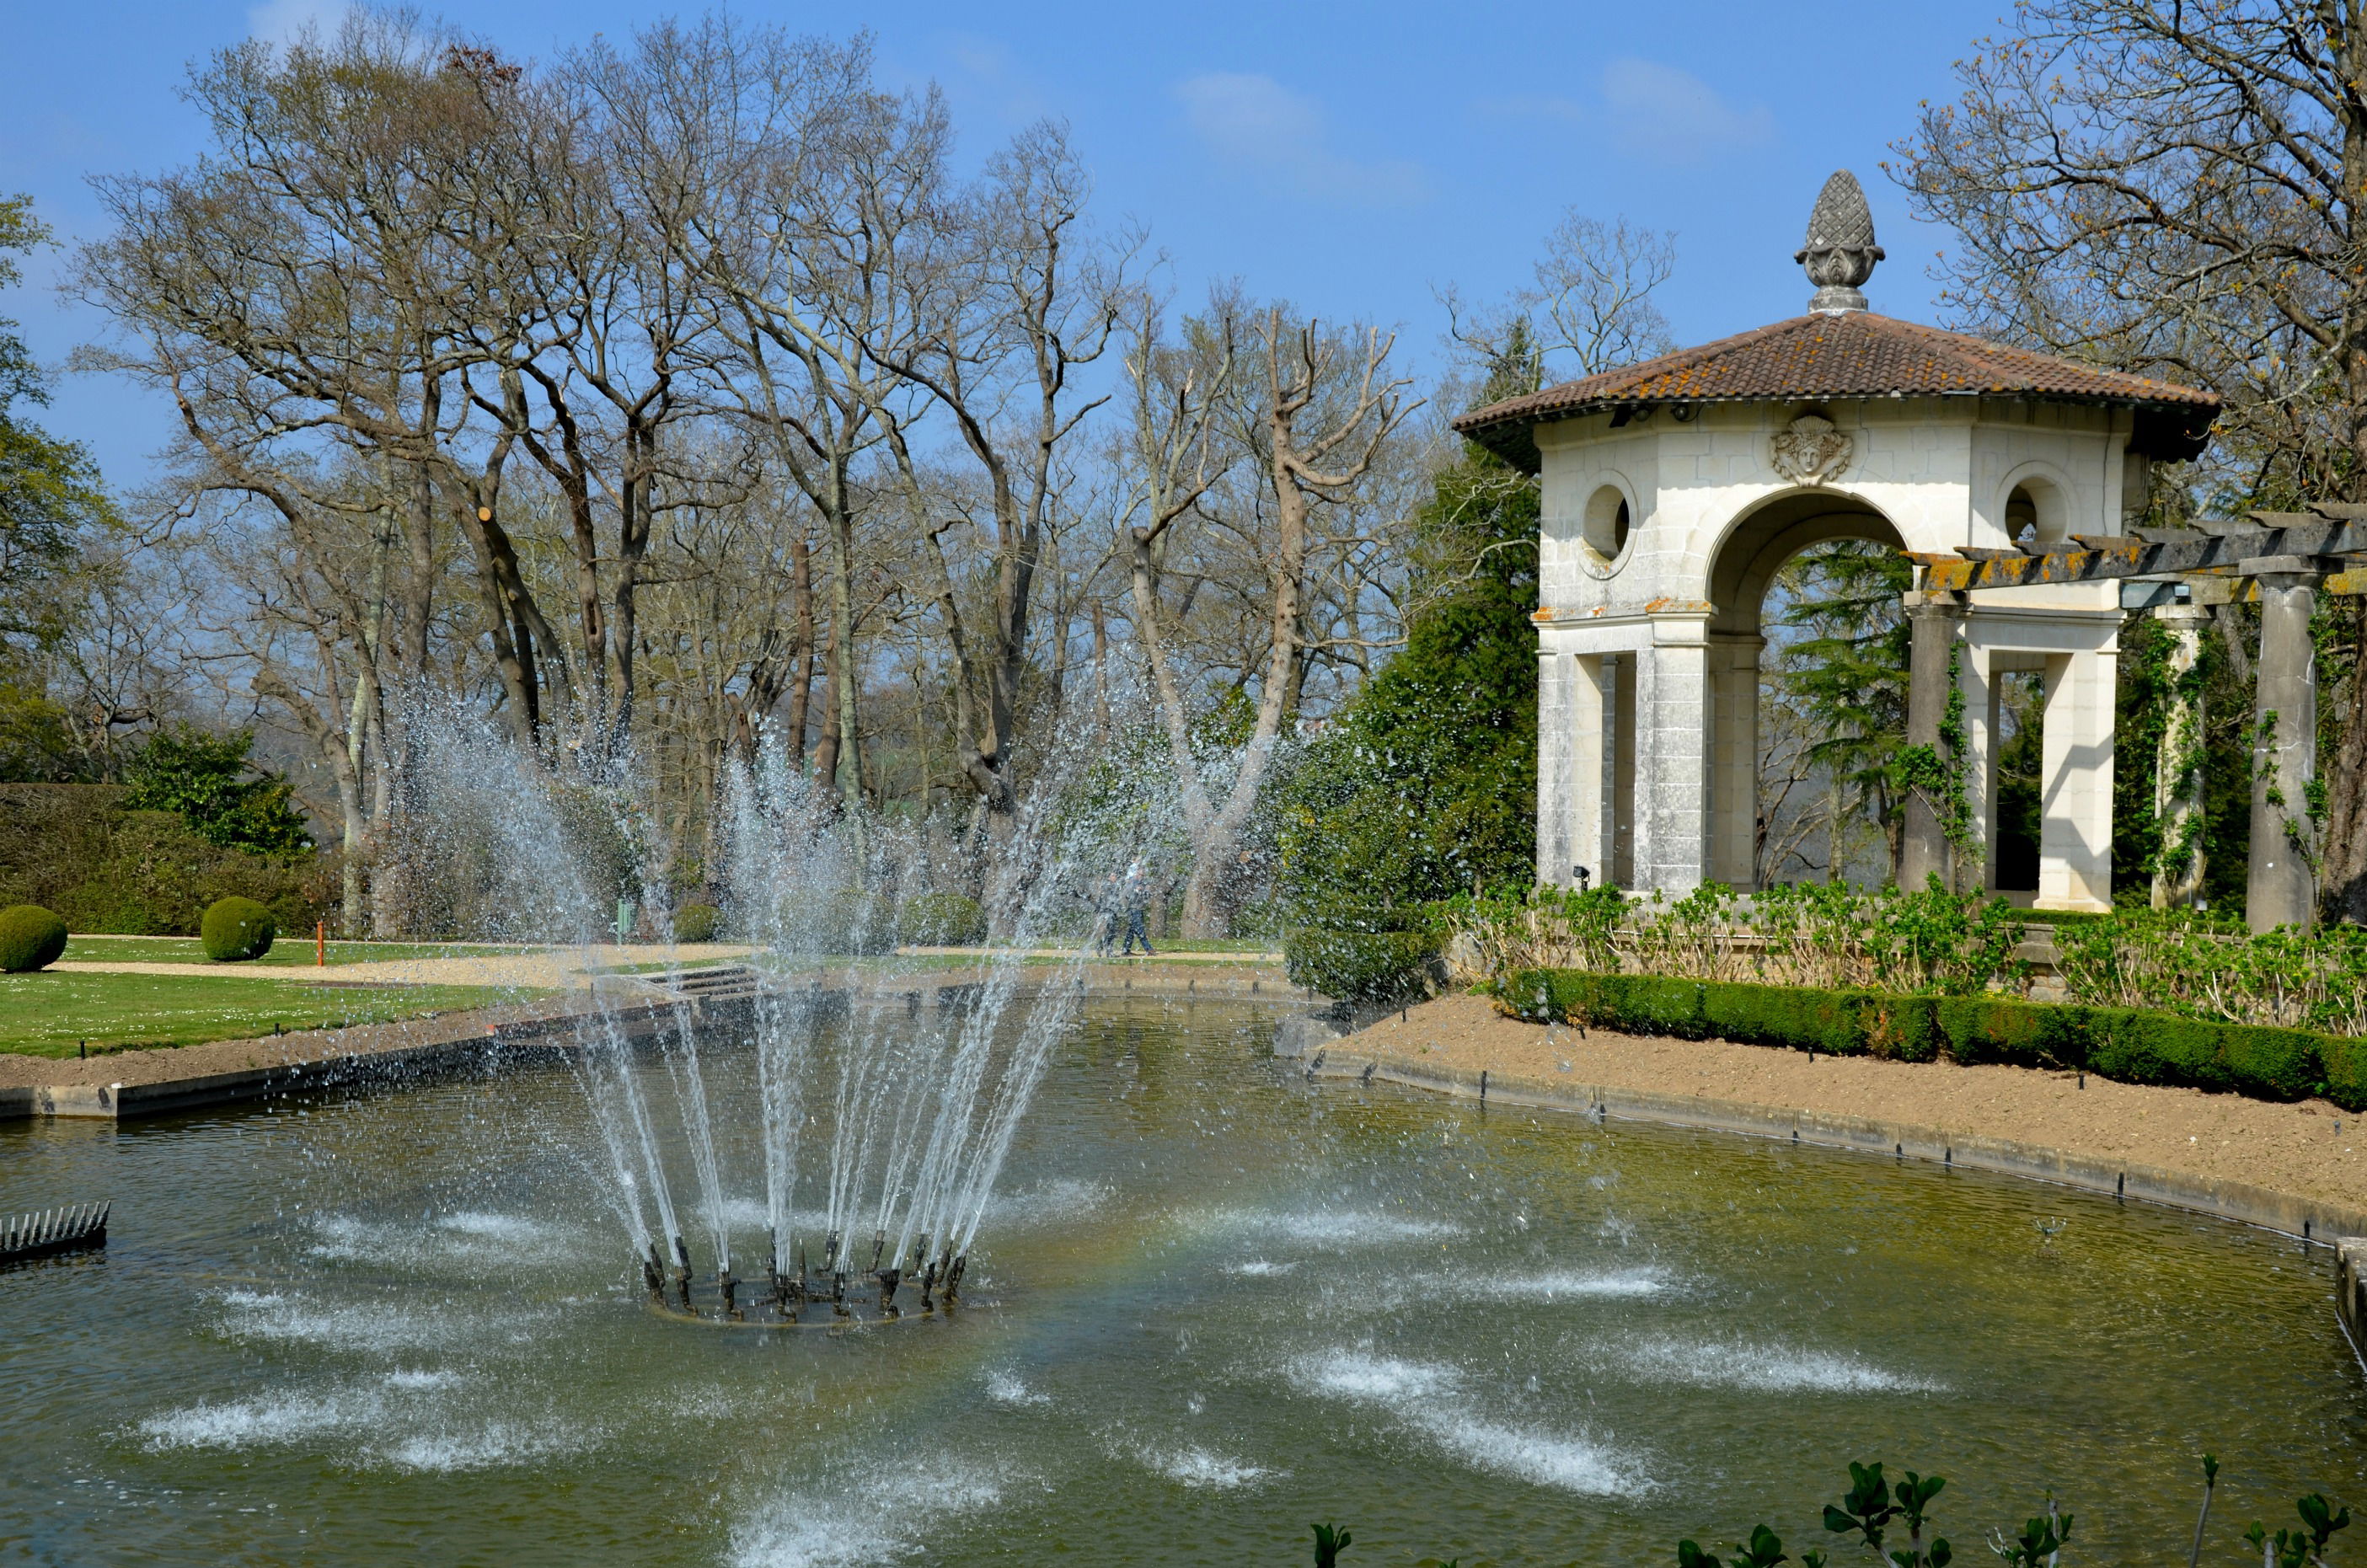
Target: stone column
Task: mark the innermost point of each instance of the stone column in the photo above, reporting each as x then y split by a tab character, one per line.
1558	719
1620	684
1672	759
2178	773
1932	619
2281	880
2075	801
1734	759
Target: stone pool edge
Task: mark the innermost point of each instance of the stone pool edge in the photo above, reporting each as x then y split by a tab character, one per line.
302	1061
2310	1220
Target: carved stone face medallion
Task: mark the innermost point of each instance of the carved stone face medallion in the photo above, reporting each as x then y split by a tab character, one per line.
1810	449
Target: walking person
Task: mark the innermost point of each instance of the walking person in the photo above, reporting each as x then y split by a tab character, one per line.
1135	897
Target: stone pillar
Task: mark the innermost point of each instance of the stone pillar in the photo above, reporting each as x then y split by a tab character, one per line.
1734	759
2075	791
1558	721
1672	759
1932	619
2280	880
1979	763
2178	773
1620	684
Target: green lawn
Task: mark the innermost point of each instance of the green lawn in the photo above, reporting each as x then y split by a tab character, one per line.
286	953
48	1014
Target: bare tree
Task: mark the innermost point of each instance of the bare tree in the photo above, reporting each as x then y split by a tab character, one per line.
1315	415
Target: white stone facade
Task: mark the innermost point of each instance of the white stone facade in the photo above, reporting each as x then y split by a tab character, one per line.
1649	636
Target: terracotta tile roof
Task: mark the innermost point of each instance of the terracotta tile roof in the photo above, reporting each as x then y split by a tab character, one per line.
1858	355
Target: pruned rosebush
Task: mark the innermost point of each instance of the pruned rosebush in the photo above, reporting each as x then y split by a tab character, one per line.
31	938
943	920
697	922
237	929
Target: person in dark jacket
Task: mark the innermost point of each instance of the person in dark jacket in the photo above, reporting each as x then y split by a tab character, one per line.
1134	897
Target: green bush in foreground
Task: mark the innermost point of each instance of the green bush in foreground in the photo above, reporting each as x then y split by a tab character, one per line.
1892	1521
1361	966
235	929
31	938
2127	1045
697	922
943	920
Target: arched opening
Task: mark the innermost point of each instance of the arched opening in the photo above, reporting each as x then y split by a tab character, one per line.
1607	522
1806	671
2036	511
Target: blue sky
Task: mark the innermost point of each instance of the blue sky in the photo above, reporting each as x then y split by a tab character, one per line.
1350	158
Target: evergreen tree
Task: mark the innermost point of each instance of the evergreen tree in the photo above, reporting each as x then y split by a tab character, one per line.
203	778
1847	668
1426	781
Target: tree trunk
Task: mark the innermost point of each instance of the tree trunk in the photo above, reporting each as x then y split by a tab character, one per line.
801	647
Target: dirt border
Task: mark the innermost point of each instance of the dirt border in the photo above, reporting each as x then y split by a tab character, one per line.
2305	1218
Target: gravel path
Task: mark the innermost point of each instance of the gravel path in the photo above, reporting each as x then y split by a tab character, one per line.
2311	1149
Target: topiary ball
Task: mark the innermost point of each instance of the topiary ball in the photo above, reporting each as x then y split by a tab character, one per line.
696	922
943	920
237	929
31	938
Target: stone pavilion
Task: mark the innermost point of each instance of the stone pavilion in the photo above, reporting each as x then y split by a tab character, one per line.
1674	490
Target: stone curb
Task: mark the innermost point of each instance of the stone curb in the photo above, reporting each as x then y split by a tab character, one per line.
2307	1219
368	1052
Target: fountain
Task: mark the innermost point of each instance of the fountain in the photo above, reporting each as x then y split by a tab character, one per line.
920	1112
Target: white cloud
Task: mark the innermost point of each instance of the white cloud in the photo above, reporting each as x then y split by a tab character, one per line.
1257	123
284	21
1660	111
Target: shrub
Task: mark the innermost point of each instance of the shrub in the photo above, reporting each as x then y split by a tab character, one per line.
696	922
1361	966
2128	1044
943	920
855	923
31	938
237	929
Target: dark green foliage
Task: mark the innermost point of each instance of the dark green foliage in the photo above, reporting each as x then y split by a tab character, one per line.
853	923
203	778
1425	783
696	922
1361	966
75	849
237	929
943	920
1846	667
1329	1541
2126	1044
31	938
2145	694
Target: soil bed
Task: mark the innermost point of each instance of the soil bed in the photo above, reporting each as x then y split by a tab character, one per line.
2305	1149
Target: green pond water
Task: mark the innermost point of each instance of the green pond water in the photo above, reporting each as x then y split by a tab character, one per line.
400	1327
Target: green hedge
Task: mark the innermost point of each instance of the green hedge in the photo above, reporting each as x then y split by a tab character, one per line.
2128	1044
1360	966
697	922
943	919
75	848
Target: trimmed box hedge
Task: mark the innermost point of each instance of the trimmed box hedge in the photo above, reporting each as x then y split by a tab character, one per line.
2127	1045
